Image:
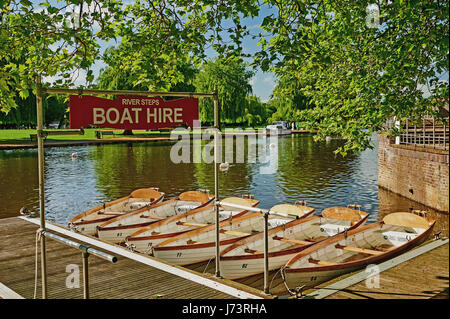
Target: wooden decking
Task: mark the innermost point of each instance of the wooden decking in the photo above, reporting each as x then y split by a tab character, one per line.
124	279
424	276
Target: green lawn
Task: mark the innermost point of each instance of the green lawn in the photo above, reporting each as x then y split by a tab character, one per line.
22	136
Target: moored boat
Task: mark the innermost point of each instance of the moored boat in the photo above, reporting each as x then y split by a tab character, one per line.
357	248
88	221
245	257
199	245
144	239
117	229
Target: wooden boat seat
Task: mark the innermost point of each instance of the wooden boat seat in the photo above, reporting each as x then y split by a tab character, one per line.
110	213
406	220
234	233
252	251
153	217
384	247
292	240
293	210
359	250
191	224
192	242
322	262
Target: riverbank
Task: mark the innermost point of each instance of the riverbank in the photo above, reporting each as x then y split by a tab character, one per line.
20	139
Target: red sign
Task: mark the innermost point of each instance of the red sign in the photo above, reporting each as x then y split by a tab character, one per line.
131	113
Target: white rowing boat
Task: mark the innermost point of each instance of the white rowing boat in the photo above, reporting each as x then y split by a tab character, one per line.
199	245
117	229
245	257
355	249
144	239
88	221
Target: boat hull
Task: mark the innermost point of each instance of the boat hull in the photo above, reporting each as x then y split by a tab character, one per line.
186	255
312	276
118	229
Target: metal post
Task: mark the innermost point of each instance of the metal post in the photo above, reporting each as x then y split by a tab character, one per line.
423	133
445	141
415	134
85	274
40	141
216	176
266	252
407	132
434	132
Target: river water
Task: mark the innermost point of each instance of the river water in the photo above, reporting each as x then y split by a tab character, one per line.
302	170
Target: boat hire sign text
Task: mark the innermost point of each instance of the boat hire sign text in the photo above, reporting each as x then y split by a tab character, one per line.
131	113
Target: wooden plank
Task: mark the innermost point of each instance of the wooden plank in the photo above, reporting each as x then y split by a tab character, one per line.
125	279
227	287
292	240
191	224
153	217
360	250
322	262
252	251
337	287
234	233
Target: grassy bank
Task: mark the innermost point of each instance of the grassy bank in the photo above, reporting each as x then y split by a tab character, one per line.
22	136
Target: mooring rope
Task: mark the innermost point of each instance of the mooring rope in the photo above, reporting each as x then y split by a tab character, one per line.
279	271
204	270
297	291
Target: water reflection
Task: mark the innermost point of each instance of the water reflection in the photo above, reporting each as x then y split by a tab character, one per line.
306	171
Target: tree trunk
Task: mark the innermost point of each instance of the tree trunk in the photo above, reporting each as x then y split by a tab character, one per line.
128	132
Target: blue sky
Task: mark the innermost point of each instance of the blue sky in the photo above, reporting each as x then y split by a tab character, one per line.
263	83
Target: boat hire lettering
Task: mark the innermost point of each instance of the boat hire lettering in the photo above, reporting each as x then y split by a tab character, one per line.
134	115
131	112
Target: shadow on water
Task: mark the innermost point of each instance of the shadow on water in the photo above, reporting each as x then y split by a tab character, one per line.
306	170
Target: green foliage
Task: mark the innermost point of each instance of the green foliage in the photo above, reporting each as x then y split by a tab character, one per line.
53	39
231	77
356	76
336	71
255	112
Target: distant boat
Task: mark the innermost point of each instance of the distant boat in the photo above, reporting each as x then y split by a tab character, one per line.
278	128
144	239
357	248
199	245
245	257
88	221
117	229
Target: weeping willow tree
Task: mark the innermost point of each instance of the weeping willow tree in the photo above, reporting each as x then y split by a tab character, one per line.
232	78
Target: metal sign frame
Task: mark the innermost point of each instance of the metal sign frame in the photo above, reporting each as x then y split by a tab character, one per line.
40	141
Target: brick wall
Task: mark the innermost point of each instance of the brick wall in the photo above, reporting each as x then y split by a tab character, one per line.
419	175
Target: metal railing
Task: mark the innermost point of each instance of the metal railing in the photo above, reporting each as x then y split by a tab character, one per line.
85	252
427	132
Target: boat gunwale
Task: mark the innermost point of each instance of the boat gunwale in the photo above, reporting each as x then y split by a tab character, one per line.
139	225
95	209
174	218
108	204
356	263
287	251
135	212
190	233
255	237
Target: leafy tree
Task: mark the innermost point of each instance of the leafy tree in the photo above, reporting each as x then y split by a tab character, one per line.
255	112
231	76
357	75
55	39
